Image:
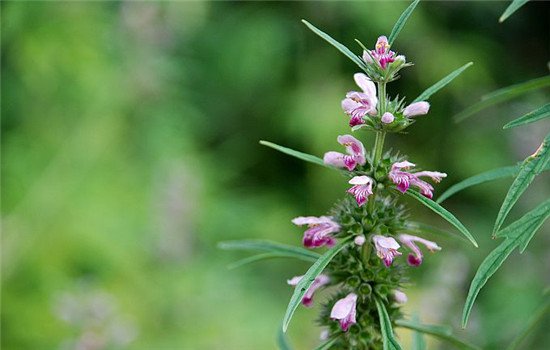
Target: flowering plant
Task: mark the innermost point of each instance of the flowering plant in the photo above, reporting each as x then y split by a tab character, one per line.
371	239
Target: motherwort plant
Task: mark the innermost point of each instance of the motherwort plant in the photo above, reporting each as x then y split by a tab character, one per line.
368	239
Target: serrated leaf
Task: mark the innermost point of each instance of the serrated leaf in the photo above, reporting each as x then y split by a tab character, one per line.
356	59
537	114
390	343
270	247
502	95
265	256
535	320
442	83
499	173
530	168
441	332
513	7
308	278
444	213
518	234
282	340
328	344
401	21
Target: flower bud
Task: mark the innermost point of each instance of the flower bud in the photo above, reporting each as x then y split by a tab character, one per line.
388	118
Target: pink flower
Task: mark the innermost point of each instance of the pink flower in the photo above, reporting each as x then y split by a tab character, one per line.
388	118
415	258
386	248
400	297
417	108
404	179
362	188
359	240
319	230
381	53
319	282
344	311
355	150
358	104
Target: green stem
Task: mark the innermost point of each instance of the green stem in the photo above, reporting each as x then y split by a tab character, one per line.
380	135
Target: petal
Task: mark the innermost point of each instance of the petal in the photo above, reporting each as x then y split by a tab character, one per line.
404	164
294	280
343	307
353	145
365	84
417	108
360	180
335	159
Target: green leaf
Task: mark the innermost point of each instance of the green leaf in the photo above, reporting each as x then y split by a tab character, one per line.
518	234
270	247
534	321
527	225
502	95
356	59
442	83
282	340
444	213
513	7
441	332
264	256
328	344
421	228
306	281
537	114
419	343
390	343
401	21
499	173
530	168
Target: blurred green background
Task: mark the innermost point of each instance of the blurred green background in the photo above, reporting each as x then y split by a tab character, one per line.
130	148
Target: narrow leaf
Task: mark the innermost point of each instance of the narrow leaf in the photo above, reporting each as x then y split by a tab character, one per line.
328	344
513	7
537	114
297	154
419	343
401	21
282	340
534	321
442	83
421	228
356	59
390	343
487	268
265	256
502	95
444	213
306	281
499	173
525	227
270	247
530	168
517	234
441	332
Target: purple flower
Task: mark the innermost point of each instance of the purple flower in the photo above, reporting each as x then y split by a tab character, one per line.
415	258
358	104
344	311
404	179
388	118
319	230
381	53
355	150
319	282
386	248
400	297
417	108
362	188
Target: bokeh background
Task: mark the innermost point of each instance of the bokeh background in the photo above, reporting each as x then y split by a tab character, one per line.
130	149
